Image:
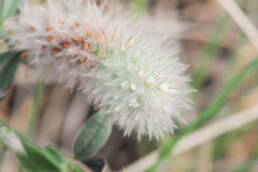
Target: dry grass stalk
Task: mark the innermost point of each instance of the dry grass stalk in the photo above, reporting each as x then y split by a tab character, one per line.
242	20
201	136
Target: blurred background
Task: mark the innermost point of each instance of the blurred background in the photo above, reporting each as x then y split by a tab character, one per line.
215	48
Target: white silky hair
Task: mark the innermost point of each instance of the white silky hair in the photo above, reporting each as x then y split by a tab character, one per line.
130	72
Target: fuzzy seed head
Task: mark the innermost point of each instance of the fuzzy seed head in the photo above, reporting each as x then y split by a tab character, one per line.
128	71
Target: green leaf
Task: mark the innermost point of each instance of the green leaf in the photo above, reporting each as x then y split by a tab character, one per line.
47	160
37	97
54	156
7	8
26	162
8	64
74	167
92	136
41	160
38	158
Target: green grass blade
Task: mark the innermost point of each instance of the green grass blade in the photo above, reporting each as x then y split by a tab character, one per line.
248	164
37	96
74	167
207	114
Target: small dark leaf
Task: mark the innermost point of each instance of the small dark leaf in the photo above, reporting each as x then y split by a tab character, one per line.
92	136
54	156
96	165
8	64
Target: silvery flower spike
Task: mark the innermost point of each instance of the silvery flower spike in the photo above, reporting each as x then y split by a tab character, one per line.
127	70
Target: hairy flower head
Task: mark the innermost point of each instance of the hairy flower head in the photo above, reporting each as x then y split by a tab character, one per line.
120	64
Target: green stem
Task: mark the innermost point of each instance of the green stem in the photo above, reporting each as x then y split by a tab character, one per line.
74	167
37	96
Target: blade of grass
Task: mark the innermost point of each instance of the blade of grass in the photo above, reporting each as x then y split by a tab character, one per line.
223	142
242	20
208	113
248	164
74	167
37	96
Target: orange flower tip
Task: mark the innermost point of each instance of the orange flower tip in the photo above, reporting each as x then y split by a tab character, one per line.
56	51
81	59
88	34
61	21
50	37
76	25
10	32
65	44
48	28
78	38
86	45
87	61
23	56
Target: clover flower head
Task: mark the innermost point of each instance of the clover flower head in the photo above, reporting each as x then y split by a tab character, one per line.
129	72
